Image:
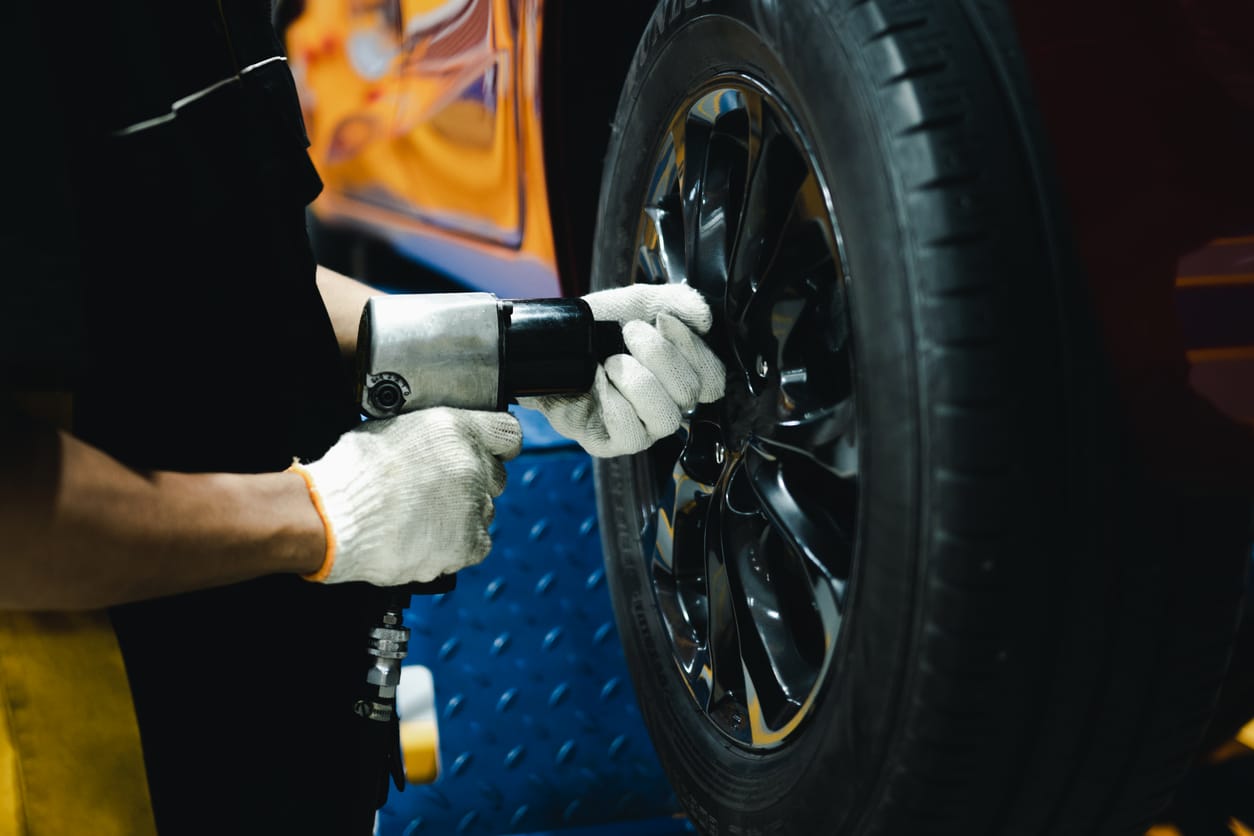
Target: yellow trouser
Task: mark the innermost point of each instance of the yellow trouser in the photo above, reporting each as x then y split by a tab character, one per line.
70	758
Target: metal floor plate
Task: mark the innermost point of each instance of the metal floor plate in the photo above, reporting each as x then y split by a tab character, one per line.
539	730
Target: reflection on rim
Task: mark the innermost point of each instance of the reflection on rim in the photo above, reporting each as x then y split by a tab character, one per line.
748	513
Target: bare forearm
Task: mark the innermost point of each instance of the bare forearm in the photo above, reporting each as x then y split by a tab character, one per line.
344	299
80	530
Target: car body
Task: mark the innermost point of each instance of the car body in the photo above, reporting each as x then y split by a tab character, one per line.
425	119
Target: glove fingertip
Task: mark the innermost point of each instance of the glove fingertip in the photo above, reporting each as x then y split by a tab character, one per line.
482	548
713	391
501	434
688	305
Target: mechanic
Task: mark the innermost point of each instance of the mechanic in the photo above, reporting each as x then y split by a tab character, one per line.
189	504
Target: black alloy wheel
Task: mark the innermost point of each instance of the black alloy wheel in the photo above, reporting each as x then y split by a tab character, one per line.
751	513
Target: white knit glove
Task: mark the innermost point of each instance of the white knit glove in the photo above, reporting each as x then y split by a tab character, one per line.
410	498
639	398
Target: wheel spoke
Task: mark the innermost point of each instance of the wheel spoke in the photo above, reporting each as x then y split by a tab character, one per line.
826	439
801	249
791	330
775	175
817	435
661	255
682	600
695	479
677	514
698	134
727	701
811	509
679	560
783	641
660	252
653	472
716	157
780	677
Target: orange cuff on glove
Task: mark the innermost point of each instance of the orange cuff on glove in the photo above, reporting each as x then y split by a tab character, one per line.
324	571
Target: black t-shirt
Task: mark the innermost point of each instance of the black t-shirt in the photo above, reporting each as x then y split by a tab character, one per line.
156	263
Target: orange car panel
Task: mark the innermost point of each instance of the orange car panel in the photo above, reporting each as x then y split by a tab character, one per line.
424	122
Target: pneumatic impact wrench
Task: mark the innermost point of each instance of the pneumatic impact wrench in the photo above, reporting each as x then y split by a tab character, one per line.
469	351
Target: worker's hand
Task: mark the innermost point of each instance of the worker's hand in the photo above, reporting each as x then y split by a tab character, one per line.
640	397
410	498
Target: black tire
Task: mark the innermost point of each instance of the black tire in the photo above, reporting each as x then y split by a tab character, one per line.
1032	635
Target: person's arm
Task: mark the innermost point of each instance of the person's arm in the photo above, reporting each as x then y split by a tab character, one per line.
80	530
344	299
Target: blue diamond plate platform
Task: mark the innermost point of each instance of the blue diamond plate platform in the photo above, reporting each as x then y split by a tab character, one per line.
539	731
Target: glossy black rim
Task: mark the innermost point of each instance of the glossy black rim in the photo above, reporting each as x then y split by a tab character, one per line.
748	513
